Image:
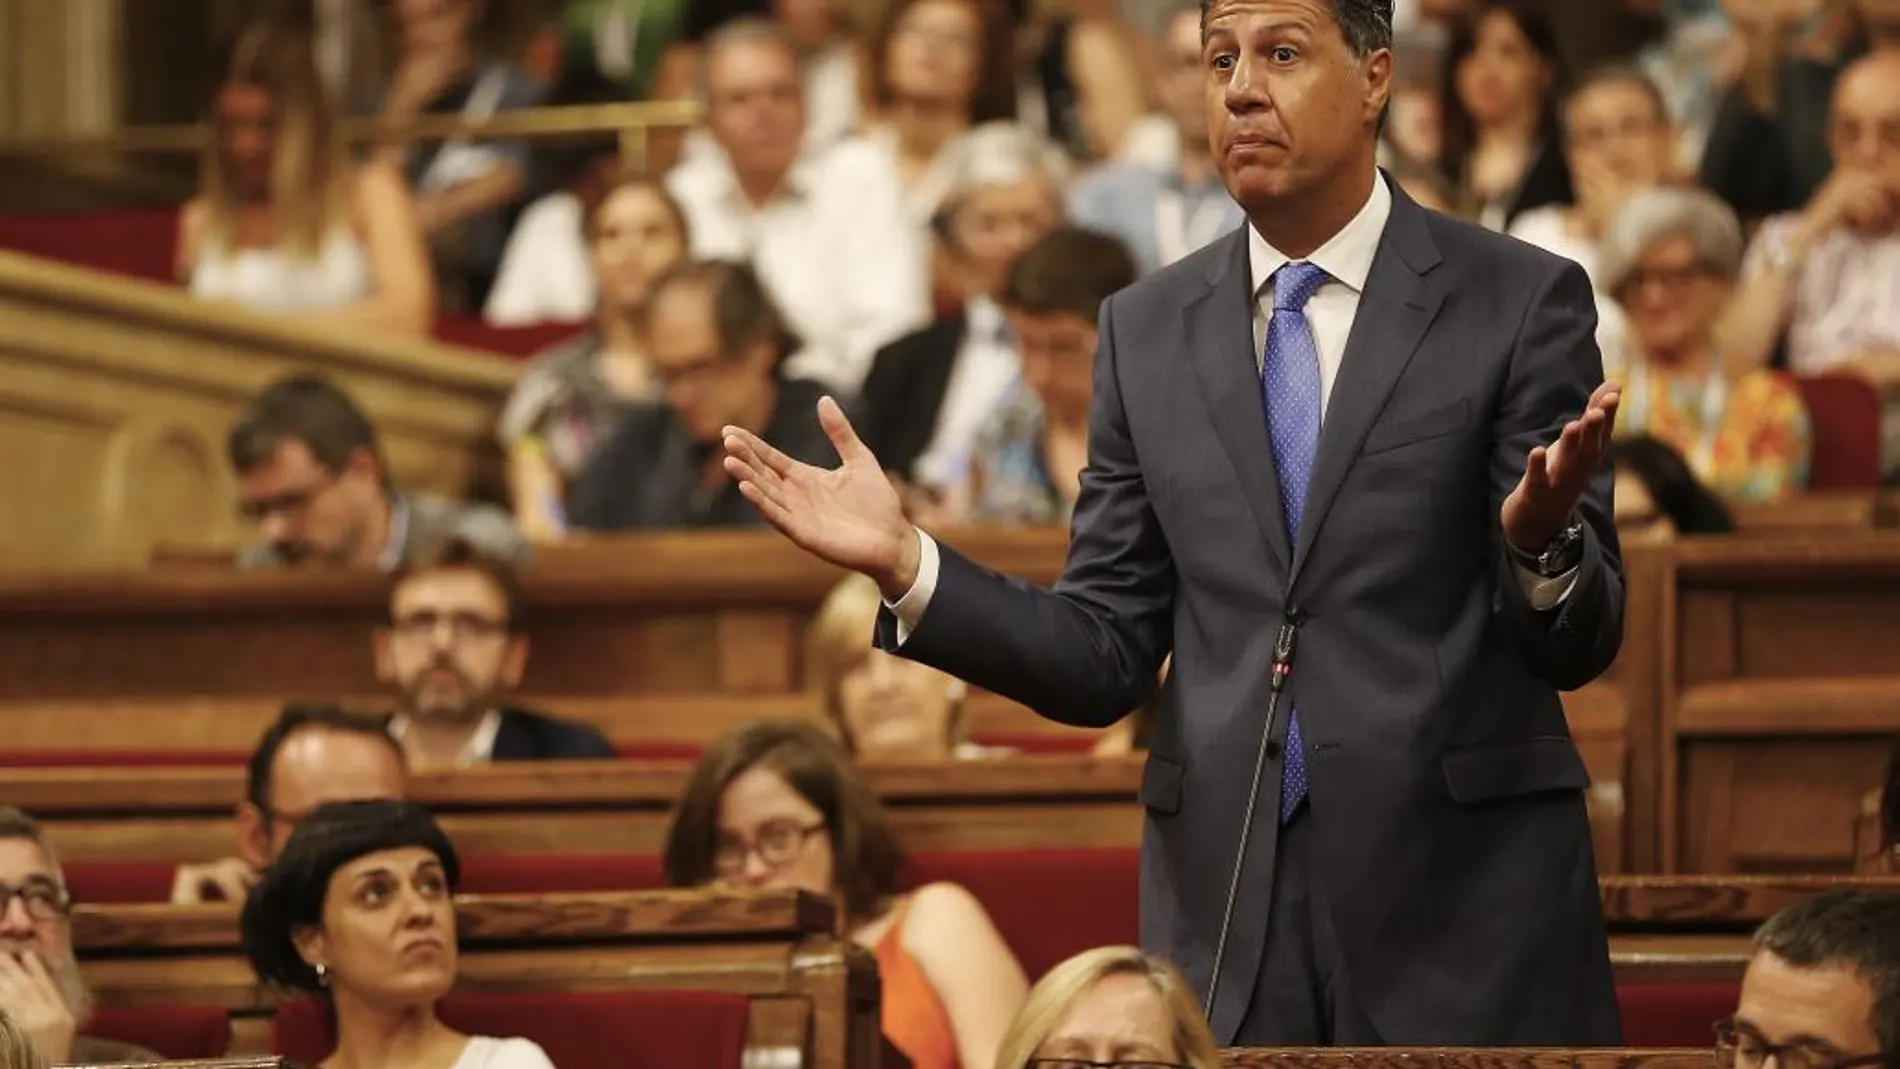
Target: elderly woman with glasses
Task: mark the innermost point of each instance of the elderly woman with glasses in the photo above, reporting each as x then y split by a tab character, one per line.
1110	1008
779	805
1670	257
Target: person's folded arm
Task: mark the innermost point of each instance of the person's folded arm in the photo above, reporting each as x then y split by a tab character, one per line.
403	285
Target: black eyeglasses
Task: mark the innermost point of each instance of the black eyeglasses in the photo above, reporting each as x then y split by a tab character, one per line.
778	844
463	627
1078	1063
1739	1047
44	899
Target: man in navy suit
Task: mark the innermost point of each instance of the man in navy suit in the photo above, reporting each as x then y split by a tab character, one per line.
1380	426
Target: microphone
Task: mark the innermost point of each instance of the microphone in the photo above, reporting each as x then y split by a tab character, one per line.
1285	642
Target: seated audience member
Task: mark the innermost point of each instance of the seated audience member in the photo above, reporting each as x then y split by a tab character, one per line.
1085	75
312	476
827	232
17	1050
1670	257
571	397
1500	150
545	275
1822	990
1768	149
1026	466
1828	274
718	345
1654	485
360	909
928	391
41	988
1619	141
284	222
453	649
886	708
935	68
779	804
1164	214
1111	1006
465	189
1890	816
310	756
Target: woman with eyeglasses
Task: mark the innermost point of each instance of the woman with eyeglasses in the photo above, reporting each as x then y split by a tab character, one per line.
778	804
360	909
1670	258
1110	1008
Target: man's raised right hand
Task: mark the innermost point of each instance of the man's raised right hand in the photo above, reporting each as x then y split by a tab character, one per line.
850	515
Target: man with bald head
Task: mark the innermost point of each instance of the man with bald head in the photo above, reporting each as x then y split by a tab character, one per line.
310	756
1824	278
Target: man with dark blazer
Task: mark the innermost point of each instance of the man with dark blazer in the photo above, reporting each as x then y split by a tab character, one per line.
453	647
1381	431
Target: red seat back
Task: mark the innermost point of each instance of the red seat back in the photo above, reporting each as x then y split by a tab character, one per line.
140	242
1674	1015
1050	905
119	882
1845	412
103	758
508	341
505	874
635	1029
181	1033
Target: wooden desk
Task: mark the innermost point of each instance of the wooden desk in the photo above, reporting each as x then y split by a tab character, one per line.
814	995
1780	700
590	807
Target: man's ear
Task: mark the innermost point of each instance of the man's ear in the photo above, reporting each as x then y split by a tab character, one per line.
363	462
253	836
1378	73
382	646
514	663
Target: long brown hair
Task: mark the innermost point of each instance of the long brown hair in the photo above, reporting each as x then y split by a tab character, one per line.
866	861
310	168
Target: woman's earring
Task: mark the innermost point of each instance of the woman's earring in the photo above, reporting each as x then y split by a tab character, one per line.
323	975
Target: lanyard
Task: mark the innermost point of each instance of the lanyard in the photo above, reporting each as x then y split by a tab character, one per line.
1176	233
1714	398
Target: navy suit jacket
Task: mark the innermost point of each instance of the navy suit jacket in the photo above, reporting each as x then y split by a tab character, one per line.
1446	794
526	736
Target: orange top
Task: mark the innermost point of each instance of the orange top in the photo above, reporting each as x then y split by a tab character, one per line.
913	1018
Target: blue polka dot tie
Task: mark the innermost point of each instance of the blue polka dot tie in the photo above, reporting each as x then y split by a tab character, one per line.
1290	380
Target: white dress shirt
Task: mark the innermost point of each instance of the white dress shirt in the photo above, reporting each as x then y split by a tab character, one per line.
987	368
478	750
1347	260
834	248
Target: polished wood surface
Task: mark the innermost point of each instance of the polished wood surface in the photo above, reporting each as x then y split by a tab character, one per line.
814	996
1704	903
1462	1058
119	395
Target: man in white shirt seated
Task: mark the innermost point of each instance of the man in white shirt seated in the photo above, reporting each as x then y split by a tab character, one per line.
827	232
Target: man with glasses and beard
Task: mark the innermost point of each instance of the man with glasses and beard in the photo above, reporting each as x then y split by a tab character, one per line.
1823	988
40	985
453	647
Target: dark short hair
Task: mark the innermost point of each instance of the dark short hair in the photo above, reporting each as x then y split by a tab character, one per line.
867	862
744	313
1365	24
460	554
305	717
307	408
290	896
1690	506
1855	929
1068	270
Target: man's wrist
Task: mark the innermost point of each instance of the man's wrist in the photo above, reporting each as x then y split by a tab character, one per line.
1552	554
903	575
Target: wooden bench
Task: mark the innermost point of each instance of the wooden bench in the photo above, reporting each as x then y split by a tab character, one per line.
814	996
1463	1058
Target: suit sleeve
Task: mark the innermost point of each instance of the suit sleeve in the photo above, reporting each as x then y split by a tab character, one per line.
1086	653
1555	366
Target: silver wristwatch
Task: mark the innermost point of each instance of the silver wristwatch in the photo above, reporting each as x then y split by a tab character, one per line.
1558	556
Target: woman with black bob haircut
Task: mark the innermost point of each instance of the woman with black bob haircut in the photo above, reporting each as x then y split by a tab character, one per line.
360	907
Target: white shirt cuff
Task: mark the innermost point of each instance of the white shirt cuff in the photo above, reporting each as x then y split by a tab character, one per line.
1545	594
909	609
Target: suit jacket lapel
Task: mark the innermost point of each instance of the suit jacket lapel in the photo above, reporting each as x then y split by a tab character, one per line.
1219	328
1395	311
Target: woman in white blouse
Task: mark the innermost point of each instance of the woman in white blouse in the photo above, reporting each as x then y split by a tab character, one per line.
360	909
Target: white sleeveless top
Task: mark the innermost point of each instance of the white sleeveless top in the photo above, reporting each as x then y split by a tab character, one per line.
276	280
487	1052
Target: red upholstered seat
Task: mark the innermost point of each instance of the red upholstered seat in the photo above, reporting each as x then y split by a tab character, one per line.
113	882
1049	904
503	874
684	751
508	341
78	758
177	1032
1845	412
634	1029
139	242
1674	1015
